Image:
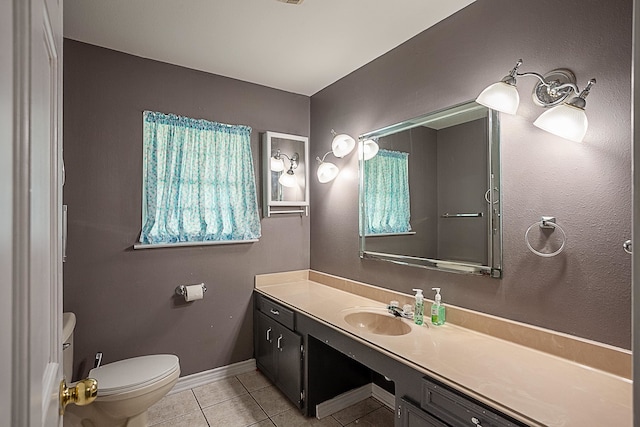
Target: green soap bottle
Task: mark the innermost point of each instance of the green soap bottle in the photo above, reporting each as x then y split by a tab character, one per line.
437	309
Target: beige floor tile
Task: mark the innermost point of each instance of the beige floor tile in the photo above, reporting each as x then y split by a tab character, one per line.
219	391
293	418
356	411
193	419
264	423
382	417
239	411
272	400
173	406
254	380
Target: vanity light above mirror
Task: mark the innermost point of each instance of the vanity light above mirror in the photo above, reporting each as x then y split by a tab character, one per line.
566	119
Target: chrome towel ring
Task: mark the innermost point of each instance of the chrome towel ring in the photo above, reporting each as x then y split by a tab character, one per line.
487	193
546	222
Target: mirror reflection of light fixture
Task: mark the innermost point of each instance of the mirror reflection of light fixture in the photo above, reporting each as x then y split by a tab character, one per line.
288	178
566	119
369	149
277	164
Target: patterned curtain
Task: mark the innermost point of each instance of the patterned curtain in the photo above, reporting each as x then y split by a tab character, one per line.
198	181
386	193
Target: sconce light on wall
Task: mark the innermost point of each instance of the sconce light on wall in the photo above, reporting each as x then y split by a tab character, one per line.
566	119
288	178
341	145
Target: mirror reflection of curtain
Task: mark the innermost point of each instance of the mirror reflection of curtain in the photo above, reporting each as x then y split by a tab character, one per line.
386	193
198	181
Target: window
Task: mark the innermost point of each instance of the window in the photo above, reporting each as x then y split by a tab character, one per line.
198	182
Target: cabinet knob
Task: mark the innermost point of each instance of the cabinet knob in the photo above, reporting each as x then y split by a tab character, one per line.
476	422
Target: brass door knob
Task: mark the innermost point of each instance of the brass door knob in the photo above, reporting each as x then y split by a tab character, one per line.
83	393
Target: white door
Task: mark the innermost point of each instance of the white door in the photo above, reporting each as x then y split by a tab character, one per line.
30	216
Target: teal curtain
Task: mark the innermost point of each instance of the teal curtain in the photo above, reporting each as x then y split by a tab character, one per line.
386	193
198	181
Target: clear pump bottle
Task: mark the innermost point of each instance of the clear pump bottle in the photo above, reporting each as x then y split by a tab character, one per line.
418	312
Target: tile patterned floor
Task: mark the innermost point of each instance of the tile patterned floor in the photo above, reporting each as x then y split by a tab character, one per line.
251	400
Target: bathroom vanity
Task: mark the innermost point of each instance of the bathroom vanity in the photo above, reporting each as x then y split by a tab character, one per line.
440	376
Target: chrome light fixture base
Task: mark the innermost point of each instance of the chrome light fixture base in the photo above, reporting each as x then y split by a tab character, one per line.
560	84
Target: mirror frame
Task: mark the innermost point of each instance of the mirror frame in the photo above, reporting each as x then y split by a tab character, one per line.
494	209
268	203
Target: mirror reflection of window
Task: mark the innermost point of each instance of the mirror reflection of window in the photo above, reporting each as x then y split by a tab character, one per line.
386	187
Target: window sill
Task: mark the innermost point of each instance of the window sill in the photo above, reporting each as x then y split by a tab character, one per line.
183	244
407	233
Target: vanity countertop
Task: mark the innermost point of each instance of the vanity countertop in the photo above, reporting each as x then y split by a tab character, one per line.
534	387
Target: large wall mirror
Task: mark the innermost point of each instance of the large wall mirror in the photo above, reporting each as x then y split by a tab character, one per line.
430	197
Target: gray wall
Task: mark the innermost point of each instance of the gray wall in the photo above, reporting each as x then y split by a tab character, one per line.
124	298
586	290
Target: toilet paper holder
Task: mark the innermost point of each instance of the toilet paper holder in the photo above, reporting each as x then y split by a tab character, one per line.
182	290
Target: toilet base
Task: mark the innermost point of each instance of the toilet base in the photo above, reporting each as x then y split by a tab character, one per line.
84	417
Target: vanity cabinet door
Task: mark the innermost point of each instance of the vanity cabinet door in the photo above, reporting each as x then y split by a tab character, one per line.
264	332
412	416
289	356
278	349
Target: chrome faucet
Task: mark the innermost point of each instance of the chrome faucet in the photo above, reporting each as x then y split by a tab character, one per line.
397	312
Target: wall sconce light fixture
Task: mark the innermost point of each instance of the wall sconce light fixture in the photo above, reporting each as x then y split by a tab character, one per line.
341	145
566	119
288	178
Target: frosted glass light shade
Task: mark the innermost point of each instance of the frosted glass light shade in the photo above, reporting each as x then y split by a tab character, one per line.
369	149
342	145
500	96
287	180
565	121
277	165
327	172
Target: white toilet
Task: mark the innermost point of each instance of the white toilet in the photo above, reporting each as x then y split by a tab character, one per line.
126	389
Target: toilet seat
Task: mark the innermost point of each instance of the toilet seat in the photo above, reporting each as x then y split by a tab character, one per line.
132	374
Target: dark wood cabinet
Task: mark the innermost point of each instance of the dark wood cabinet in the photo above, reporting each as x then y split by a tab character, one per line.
457	409
412	416
278	349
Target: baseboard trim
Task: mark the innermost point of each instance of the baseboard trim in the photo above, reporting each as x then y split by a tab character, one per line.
344	400
351	397
205	377
383	396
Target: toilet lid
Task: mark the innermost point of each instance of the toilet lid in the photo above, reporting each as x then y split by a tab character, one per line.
130	374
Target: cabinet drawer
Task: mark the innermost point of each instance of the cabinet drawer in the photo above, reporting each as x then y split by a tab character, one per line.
276	311
459	410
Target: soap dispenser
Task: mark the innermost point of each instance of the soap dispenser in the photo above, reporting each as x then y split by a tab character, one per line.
437	309
418	312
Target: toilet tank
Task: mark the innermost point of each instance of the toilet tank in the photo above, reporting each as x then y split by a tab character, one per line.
68	325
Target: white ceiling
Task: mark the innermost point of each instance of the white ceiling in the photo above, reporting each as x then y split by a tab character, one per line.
297	48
